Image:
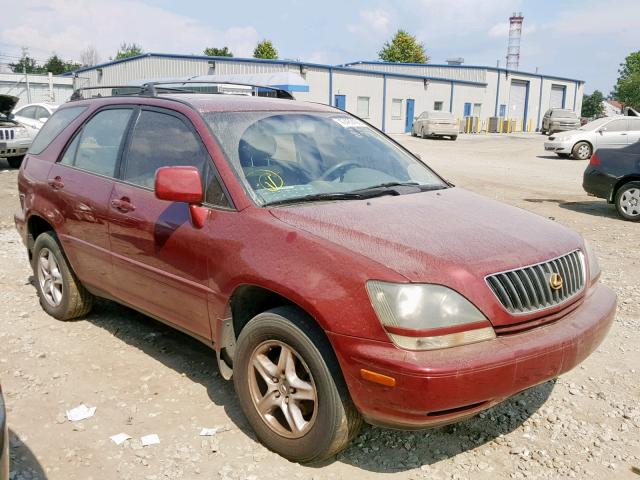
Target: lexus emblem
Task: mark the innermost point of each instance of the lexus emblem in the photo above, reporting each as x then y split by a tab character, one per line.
555	281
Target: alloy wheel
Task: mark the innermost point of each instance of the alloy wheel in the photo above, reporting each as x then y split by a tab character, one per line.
584	152
282	389
630	202
50	278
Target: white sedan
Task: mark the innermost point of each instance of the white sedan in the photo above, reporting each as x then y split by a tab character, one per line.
34	115
608	132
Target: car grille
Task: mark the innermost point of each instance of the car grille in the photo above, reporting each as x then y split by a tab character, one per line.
528	289
7	133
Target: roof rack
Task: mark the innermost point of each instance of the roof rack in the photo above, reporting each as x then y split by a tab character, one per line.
153	89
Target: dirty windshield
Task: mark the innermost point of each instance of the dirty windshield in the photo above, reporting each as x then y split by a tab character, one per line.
284	156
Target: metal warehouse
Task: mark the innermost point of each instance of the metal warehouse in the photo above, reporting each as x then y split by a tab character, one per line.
388	95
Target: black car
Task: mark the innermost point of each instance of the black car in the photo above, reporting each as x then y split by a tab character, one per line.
614	174
4	441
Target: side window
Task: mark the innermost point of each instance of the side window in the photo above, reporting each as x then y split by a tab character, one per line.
214	193
99	142
161	140
27	112
42	113
56	124
634	124
616	126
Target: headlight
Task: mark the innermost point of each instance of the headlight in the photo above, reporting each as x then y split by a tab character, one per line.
562	139
427	317
594	266
21	132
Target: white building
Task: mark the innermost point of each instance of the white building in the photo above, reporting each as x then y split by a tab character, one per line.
32	88
388	95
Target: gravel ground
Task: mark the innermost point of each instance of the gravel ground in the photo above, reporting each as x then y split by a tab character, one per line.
146	378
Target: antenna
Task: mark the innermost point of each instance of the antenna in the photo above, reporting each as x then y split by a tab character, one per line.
515	33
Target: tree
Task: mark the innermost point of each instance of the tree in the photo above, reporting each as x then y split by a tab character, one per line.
218	52
57	66
403	48
265	49
592	105
627	89
27	64
89	57
128	50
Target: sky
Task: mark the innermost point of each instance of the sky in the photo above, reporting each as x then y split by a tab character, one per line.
581	39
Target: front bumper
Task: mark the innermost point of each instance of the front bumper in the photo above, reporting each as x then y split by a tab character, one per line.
14	148
443	386
558	147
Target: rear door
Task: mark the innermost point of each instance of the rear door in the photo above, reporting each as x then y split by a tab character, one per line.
159	258
613	134
82	181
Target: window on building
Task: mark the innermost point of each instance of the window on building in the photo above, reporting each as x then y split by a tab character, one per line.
503	110
396	109
477	109
437	106
363	107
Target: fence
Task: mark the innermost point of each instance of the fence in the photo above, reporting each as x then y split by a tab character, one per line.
33	88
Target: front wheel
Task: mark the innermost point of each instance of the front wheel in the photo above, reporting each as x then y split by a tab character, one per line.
15	162
581	151
290	387
453	138
628	201
61	294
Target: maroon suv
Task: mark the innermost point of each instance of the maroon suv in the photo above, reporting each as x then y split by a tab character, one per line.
334	274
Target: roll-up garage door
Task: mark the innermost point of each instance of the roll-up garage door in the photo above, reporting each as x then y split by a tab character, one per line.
557	96
518	100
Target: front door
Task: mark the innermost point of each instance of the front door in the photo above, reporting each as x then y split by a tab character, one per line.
410	112
633	132
613	134
159	258
341	102
82	181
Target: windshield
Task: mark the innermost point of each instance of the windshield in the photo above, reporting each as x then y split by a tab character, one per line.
281	156
595	124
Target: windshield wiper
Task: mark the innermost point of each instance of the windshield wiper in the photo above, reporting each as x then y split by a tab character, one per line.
319	197
388	185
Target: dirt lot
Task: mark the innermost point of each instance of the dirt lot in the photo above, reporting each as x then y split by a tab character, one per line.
145	378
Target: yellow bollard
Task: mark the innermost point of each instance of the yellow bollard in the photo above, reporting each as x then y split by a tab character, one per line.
468	125
508	125
501	125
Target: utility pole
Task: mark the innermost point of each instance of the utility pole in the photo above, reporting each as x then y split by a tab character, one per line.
25	51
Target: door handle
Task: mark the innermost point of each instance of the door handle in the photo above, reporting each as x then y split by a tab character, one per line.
122	205
56	183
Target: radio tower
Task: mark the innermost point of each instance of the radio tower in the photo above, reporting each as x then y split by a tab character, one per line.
515	32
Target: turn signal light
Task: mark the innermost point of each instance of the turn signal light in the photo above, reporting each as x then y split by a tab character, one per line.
377	378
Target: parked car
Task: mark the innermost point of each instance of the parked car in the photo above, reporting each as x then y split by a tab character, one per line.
15	138
4	441
435	123
608	132
291	238
559	120
614	174
34	115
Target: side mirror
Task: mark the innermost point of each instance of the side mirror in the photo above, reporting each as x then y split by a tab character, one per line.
182	184
603	129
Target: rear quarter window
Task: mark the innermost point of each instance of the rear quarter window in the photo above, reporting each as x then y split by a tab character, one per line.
54	126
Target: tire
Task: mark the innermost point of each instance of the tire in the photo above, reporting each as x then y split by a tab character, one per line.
422	134
582	151
15	162
453	138
543	132
563	155
628	201
72	300
331	420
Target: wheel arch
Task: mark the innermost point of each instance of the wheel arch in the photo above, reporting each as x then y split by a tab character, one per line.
36	225
635	177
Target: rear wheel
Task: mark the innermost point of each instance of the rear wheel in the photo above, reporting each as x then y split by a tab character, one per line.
628	201
61	294
15	162
581	151
290	387
422	134
453	138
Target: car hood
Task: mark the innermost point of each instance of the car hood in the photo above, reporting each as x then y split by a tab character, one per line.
7	103
450	237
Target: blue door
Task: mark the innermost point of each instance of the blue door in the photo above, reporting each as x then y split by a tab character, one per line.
409	121
341	102
467	109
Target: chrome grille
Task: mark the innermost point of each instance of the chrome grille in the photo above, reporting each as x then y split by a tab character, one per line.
528	289
7	134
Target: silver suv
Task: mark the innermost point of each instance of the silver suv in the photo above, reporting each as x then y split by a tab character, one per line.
559	120
15	138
